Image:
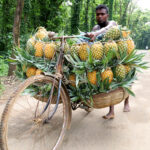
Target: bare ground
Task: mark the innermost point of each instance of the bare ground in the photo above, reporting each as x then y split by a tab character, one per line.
128	131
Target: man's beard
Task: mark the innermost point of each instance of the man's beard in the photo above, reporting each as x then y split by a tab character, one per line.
103	24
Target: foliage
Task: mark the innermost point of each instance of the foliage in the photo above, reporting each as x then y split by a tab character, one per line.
3	67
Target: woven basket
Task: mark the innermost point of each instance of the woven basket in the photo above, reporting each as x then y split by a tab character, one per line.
103	100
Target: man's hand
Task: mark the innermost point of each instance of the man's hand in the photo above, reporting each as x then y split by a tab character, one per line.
51	34
91	35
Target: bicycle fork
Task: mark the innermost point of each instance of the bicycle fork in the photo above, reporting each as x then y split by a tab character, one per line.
58	76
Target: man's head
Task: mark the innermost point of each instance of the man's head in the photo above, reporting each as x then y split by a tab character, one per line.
102	14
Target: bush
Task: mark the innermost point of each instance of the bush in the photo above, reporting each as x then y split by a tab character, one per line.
3	67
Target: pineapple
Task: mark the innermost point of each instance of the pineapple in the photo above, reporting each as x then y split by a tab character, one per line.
130	45
127	68
30	71
120	72
42	29
74	49
41	34
108	46
107	74
72	78
122	46
125	34
38	72
30	43
92	77
49	50
113	33
38	49
83	51
66	48
97	50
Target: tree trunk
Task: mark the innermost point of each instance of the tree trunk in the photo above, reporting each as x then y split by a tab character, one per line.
16	31
86	23
75	16
93	15
111	9
124	16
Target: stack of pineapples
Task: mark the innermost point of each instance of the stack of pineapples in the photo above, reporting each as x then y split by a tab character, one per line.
90	69
104	65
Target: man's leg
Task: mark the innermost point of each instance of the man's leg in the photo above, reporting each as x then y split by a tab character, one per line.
110	114
126	105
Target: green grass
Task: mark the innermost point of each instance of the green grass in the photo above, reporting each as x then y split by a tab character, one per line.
3	72
3	67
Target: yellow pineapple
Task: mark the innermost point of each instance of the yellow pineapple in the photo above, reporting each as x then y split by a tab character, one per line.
42	29
38	72
30	71
113	33
127	68
107	74
97	50
125	34
30	43
41	34
122	46
49	50
38	49
120	72
74	49
109	46
130	45
72	79
66	48
83	51
92	77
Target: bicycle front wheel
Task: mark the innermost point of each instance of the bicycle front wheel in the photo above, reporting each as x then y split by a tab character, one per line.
22	125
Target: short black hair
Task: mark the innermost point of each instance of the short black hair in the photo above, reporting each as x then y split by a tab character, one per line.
102	7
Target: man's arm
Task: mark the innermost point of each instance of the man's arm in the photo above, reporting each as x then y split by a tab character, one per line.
97	31
105	29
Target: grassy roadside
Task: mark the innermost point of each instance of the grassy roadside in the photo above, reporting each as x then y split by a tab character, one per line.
3	72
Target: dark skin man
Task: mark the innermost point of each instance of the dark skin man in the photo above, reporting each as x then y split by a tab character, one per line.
103	25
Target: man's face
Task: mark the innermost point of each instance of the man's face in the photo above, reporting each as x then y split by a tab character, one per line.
101	16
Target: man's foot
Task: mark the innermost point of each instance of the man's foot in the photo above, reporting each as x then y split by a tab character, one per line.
109	116
126	108
126	105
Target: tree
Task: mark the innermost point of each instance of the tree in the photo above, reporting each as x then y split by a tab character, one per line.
75	16
16	31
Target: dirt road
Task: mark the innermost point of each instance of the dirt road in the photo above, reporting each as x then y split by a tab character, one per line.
128	131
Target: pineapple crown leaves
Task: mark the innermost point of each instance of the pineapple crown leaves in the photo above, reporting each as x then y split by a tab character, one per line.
135	60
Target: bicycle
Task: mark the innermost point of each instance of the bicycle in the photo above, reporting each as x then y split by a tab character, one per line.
43	123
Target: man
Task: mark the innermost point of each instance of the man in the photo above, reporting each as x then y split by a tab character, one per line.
103	25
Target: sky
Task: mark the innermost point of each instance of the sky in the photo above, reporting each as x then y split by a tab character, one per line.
144	4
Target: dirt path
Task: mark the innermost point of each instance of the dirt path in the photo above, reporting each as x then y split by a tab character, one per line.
128	131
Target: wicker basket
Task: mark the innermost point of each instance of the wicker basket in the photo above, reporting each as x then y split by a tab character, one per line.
103	100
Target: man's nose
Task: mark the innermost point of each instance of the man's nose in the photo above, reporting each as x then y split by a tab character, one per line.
100	16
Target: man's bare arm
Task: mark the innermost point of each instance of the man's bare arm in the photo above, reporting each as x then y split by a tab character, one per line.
105	29
95	28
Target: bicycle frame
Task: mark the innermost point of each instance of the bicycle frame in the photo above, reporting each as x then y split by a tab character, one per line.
58	76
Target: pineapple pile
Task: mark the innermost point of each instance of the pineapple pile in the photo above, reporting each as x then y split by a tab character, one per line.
103	65
89	68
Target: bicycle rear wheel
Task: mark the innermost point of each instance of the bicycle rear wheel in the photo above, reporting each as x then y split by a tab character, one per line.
22	126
